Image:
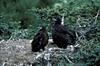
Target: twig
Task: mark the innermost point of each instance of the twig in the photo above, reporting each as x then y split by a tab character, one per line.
2	41
68	59
78	25
62	20
96	16
4	63
78	21
94	22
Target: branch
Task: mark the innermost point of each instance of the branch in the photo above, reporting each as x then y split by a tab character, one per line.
78	21
62	20
68	59
96	16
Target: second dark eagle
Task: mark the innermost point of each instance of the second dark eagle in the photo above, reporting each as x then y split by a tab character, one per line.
62	36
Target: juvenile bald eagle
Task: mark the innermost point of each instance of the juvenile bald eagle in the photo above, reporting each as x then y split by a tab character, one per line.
40	40
62	35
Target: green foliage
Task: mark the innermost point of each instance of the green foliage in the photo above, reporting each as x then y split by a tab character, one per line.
15	10
89	53
7	26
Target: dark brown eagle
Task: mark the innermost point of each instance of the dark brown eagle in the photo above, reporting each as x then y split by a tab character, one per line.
62	35
40	40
